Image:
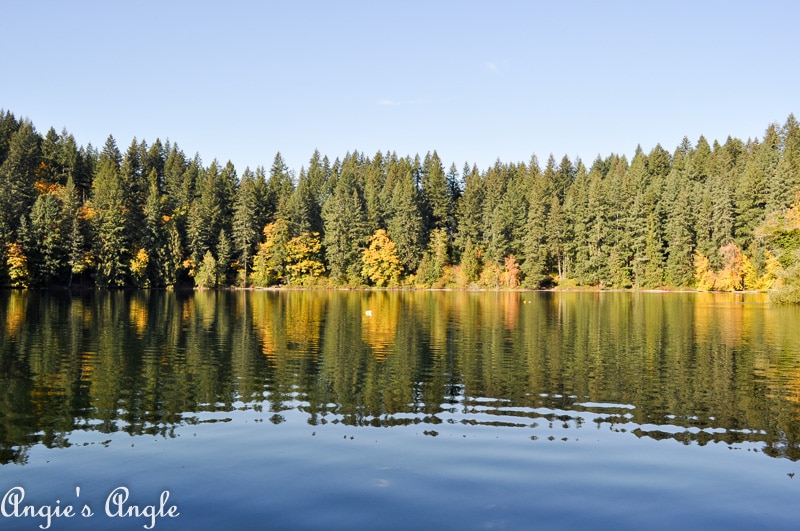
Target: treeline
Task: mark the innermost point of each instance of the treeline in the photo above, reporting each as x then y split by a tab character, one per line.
706	216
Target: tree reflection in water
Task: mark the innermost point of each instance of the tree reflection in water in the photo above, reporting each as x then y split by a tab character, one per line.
692	367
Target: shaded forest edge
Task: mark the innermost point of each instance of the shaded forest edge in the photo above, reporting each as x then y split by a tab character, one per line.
706	216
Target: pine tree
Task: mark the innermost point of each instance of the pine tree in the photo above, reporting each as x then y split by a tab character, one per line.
563	178
678	230
345	236
405	223
618	233
580	220
8	126
495	236
437	207
437	257
597	225
787	172
112	246
154	239
224	257
47	253
556	237
134	190
302	207
18	174
72	230
245	221
154	160
470	261
319	173
653	272
205	213
752	190
227	182
374	182
179	183
535	252
49	170
699	162
279	189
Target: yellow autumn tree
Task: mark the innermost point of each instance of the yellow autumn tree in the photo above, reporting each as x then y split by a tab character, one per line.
760	280
510	275
269	263
704	277
732	276
772	271
17	265
303	263
138	267
491	275
380	262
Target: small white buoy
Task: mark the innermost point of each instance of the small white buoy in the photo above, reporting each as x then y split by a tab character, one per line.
368	313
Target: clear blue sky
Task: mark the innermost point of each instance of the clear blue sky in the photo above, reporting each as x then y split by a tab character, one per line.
475	81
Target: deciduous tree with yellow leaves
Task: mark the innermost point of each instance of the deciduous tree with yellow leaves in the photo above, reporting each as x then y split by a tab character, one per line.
380	263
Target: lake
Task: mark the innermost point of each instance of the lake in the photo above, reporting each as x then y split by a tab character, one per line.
398	410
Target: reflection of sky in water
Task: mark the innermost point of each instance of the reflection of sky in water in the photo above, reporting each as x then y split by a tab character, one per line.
554	470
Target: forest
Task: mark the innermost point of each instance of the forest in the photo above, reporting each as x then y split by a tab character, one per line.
706	216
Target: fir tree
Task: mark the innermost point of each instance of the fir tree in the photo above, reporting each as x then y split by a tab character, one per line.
112	245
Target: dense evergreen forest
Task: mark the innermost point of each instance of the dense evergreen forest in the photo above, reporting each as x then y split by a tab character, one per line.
706	216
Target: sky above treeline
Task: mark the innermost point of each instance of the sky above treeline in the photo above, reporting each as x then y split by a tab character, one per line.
476	81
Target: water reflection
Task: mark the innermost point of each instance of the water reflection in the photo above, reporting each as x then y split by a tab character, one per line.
695	368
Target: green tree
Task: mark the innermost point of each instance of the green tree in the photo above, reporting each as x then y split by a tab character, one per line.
495	236
678	230
205	214
245	220
224	258
345	234
206	276
469	210
72	230
227	183
18	174
787	171
134	190
436	259
179	183
8	126
618	231
556	238
437	206
563	178
279	189
406	223
597	224
534	246
752	191
318	176
112	246
47	252
154	240
374	183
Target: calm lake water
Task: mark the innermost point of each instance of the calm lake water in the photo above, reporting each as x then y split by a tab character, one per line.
398	410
